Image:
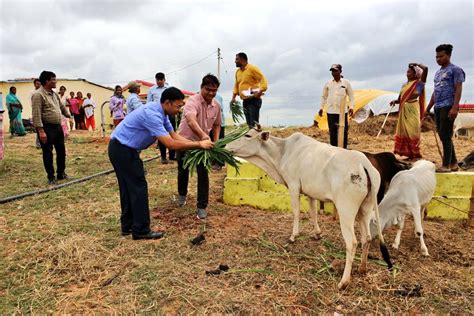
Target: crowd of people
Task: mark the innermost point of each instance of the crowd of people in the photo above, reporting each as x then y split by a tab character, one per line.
82	110
201	123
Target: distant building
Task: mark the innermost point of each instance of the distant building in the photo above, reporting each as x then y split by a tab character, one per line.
24	86
100	94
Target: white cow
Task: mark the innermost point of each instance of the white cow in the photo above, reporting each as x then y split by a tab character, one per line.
321	172
463	120
409	192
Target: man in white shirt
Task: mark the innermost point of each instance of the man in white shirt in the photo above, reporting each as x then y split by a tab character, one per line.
335	92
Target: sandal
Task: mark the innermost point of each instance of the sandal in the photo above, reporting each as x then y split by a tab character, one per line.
443	169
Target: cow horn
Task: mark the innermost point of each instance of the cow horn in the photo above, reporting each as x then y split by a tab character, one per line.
258	127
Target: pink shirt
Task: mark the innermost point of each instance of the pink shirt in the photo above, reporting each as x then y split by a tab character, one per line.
207	116
74	105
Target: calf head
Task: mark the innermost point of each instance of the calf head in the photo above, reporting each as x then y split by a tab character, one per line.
468	162
249	145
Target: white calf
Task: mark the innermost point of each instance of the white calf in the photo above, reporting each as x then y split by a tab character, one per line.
409	192
463	120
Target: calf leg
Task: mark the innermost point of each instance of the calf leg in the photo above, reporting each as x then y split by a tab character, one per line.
335	215
321	207
419	230
365	237
401	224
347	221
314	218
295	206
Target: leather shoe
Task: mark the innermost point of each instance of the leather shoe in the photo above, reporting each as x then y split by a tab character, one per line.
126	232
63	177
150	235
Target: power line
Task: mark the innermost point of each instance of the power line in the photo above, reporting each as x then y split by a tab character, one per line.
168	72
195	63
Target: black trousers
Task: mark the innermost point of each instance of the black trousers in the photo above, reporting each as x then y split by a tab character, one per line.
202	185
172	154
445	131
221	135
133	188
252	110
55	135
333	124
77	121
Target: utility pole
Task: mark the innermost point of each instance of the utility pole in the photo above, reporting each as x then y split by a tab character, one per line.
219	63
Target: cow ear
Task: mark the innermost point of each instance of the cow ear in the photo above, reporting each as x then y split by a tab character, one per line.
265	135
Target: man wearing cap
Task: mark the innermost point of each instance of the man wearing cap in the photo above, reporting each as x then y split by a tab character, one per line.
136	132
335	91
133	100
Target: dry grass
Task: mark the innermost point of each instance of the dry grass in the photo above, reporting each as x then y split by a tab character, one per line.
62	252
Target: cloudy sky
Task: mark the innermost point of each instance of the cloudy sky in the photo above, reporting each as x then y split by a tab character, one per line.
292	42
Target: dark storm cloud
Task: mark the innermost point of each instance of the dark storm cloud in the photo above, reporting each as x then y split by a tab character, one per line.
294	43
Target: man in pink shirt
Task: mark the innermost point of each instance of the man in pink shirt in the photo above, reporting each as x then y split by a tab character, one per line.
201	114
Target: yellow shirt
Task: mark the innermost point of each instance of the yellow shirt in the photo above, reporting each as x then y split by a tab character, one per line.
250	78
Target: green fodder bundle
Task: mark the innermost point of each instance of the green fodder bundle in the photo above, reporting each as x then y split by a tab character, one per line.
237	111
217	154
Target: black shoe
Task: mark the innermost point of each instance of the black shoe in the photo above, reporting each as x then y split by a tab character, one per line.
150	235
126	232
63	177
164	161
52	182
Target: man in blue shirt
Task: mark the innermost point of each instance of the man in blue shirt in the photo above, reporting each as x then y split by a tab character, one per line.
154	95
133	100
138	131
445	98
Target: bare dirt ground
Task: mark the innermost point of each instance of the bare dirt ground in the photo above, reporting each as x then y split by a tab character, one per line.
62	251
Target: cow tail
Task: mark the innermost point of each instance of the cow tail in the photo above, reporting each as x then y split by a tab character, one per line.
374	178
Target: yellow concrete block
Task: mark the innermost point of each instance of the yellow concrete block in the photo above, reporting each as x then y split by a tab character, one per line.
246	170
438	209
255	188
267	184
238	189
455	184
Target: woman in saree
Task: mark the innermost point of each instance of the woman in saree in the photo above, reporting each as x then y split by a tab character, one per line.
14	113
411	109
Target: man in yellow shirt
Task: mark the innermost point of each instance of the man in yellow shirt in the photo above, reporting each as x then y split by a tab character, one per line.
250	84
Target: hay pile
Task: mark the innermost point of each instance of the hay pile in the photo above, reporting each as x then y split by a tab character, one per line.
363	137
